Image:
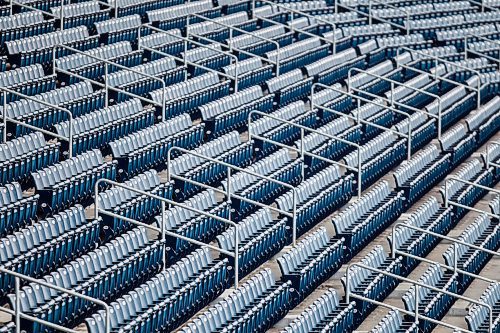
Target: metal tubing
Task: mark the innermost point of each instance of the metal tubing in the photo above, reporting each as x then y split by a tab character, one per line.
447	201
6	119
415	283
293	11
98	210
488	161
233	28
393	82
106	86
187	40
18	313
236	168
451	63
358	118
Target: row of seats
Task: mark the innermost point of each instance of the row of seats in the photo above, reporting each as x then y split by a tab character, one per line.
478	316
16	210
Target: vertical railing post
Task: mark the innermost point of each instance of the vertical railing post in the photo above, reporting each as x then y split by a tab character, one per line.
17	310
302	152
416	304
294	218
106	89
348	284
163	238
4	116
455	259
61	16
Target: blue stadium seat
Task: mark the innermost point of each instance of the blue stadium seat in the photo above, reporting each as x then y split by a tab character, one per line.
366	217
81	14
227	148
46	245
252	71
393	323
326	313
458	143
131	204
485	121
168	298
118	29
313	260
317	197
423	129
290	87
71	181
141	7
26	154
190	224
260	238
16	210
478	316
29	80
23	25
416	176
148	148
253	307
98	128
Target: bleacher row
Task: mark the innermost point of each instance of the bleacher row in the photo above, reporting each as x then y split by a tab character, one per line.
171	81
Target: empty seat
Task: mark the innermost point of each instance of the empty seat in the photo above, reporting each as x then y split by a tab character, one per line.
98	128
458	143
102	274
417	175
16	210
326	313
47	244
133	205
290	87
299	54
370	284
83	13
279	166
423	128
317	197
478	316
309	263
485	121
251	72
393	323
148	147
26	154
253	307
227	148
190	224
260	238
29	80
363	219
163	301
71	181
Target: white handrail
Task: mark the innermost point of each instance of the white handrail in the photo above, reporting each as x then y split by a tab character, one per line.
184	59
106	73
358	114
163	230
417	285
229	194
4	91
301	151
394	82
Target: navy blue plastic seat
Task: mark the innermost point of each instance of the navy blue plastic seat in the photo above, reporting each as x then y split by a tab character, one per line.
416	176
148	148
98	128
366	217
71	181
26	154
227	148
131	204
165	42
251	72
325	314
458	143
81	14
46	245
102	274
290	87
423	129
168	298
253	307
23	25
317	197
131	7
313	260
16	210
190	224
478	316
118	29
485	121
394	322
29	80
260	238
175	15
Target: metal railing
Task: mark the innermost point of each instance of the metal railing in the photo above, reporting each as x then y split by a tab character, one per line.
488	161
186	62
456	242
302	152
437	60
294	12
391	100
417	285
232	29
467	49
61	9
369	15
106	85
358	118
19	314
4	91
163	230
229	194
448	202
